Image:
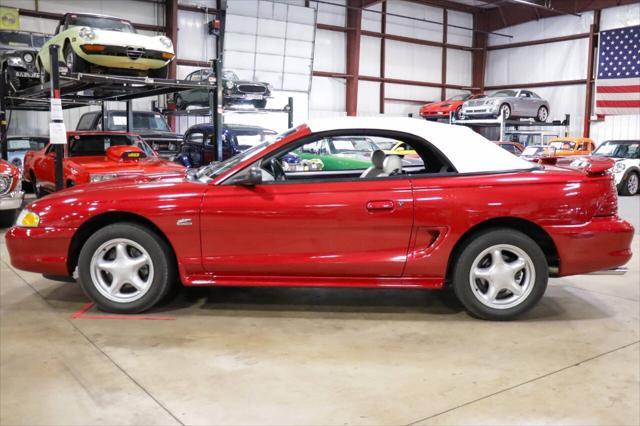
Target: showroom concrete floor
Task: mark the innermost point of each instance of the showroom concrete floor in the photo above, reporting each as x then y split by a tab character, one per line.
238	356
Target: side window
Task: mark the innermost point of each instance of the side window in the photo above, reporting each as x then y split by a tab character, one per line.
49	149
196	137
350	157
86	121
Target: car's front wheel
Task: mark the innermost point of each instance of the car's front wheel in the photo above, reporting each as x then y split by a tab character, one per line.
126	268
159	72
630	184
458	114
542	115
260	104
74	63
180	103
505	110
500	274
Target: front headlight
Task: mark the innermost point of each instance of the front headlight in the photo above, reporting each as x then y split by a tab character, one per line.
166	42
228	84
28	58
28	219
16	61
86	33
102	177
619	167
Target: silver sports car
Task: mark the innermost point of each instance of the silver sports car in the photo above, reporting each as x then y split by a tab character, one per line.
511	103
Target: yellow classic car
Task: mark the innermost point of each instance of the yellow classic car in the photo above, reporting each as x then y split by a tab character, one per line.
89	41
401	149
570	145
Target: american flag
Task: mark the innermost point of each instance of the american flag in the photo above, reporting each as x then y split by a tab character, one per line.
618	78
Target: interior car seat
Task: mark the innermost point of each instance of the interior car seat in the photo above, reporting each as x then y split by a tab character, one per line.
392	165
377	161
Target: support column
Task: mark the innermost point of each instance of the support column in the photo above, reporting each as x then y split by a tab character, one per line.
354	25
479	55
443	91
588	103
383	47
171	23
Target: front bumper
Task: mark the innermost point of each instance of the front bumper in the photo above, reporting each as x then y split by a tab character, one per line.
601	244
116	57
12	200
43	249
480	111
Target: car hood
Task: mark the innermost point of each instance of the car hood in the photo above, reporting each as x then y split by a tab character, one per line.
442	104
155	134
6	168
103	164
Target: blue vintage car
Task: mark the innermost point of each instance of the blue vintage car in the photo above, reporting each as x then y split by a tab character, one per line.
17	147
198	148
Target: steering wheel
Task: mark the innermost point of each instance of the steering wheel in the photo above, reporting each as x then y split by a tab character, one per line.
274	167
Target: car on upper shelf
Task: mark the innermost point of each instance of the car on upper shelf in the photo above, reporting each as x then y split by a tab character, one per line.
95	157
453	105
626	171
18	51
150	126
235	91
10	191
198	148
508	103
90	42
459	221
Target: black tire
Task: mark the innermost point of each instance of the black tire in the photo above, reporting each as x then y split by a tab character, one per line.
161	256
27	187
180	104
628	182
70	184
260	104
507	111
466	291
74	63
7	218
37	190
543	111
159	72
458	114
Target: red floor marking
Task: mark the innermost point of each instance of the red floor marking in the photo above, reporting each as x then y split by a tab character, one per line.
80	313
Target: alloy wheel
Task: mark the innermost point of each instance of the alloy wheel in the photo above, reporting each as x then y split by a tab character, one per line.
121	270
506	111
543	114
502	276
632	183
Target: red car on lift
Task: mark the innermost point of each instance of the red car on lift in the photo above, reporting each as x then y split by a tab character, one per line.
95	157
471	216
453	105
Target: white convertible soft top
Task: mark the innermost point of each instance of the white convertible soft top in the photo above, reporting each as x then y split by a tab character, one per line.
468	151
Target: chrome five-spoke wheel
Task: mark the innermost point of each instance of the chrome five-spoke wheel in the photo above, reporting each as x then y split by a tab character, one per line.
501	276
122	270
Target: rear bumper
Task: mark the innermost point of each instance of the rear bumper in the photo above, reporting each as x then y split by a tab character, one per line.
603	243
42	250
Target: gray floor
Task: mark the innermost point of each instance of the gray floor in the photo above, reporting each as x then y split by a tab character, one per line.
323	357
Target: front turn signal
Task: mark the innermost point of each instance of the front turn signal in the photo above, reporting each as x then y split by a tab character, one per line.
168	56
28	219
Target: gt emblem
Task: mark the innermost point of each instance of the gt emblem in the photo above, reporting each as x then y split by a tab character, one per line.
183	222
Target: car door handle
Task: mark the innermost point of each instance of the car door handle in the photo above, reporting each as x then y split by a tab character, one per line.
380	205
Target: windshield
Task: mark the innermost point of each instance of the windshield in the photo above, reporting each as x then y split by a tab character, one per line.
103	23
97	145
618	149
141	121
462	97
229	75
532	150
562	145
25	144
249	138
16	39
504	94
344	146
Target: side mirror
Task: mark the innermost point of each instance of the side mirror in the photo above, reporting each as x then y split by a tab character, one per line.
252	178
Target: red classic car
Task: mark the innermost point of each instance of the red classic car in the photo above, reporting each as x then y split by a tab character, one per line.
10	191
452	105
459	219
94	157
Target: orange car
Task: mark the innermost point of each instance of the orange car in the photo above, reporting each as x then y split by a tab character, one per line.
442	109
569	145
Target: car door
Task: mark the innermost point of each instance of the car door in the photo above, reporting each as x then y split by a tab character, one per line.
44	168
349	227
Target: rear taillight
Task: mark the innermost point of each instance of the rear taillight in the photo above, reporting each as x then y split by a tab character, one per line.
609	203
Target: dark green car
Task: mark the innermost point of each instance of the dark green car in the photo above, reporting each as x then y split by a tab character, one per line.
339	154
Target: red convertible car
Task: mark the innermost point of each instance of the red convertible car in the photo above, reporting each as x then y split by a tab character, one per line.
453	105
94	157
471	216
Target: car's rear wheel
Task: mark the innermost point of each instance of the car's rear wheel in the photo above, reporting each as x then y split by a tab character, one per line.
543	114
180	103
500	274
126	268
458	113
630	184
74	63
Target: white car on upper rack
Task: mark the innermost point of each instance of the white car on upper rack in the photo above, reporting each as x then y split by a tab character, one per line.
627	168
